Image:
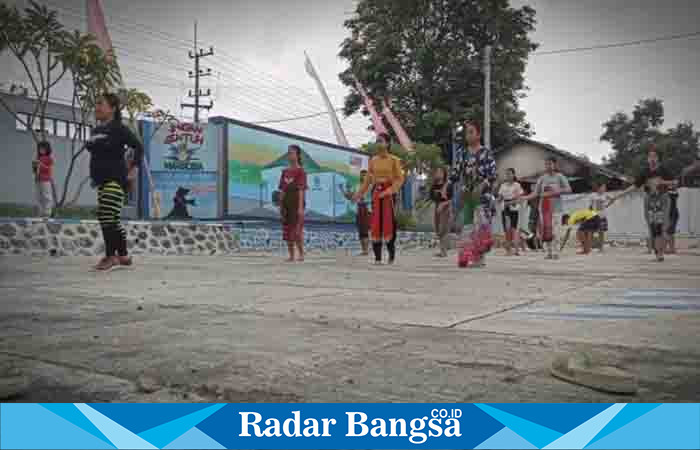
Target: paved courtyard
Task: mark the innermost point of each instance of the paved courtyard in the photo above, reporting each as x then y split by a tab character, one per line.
336	329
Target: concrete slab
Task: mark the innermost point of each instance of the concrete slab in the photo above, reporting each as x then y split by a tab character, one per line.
335	328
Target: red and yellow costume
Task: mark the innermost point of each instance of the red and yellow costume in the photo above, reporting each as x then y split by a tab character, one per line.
385	174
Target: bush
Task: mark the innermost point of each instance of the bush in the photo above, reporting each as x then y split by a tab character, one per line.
405	221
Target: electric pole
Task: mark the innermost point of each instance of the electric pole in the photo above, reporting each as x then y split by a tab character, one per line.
487	96
198	73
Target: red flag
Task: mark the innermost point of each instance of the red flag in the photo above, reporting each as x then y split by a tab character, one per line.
369	104
401	134
97	26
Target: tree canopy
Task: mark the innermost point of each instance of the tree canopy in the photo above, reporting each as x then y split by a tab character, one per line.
426	57
631	135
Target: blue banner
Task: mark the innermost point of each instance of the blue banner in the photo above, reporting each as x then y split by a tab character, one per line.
187	195
184	147
350	426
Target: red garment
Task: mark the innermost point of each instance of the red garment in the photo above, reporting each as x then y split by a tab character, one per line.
546	224
382	214
290	175
45	171
294	178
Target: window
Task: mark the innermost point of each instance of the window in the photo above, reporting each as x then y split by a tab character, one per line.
50	125
61	128
71	130
36	123
21	122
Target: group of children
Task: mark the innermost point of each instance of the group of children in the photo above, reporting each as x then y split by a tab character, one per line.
547	220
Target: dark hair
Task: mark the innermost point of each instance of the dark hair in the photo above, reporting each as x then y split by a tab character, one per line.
597	184
297	149
474	123
565	219
113	101
512	170
552	159
44	145
386	137
445	172
363	171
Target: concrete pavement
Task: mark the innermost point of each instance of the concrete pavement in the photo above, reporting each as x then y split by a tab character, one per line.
252	328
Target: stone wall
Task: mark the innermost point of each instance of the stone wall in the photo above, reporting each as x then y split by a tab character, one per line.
84	238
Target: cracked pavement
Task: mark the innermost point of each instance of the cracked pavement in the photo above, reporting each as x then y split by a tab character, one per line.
252	328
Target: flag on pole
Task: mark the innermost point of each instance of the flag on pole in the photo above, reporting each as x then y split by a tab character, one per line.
369	104
97	26
401	134
335	123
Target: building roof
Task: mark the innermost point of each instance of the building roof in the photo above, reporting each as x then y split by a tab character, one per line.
564	154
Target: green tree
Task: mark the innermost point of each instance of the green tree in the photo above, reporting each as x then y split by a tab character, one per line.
425	55
631	135
37	40
48	52
92	73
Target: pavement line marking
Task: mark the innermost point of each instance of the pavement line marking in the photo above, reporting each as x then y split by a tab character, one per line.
527	303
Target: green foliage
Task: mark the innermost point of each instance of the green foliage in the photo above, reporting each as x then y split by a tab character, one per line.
425	55
631	136
405	221
93	71
47	52
36	39
138	103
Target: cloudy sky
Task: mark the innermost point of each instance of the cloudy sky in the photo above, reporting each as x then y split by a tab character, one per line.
258	72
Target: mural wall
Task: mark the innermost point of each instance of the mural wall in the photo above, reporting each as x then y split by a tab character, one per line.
183	159
256	158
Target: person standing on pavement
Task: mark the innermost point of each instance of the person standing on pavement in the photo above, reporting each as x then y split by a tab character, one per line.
293	186
385	176
441	195
549	189
43	175
673	216
362	218
478	172
657	180
509	194
110	175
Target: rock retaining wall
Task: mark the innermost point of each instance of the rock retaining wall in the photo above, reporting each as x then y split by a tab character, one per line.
84	238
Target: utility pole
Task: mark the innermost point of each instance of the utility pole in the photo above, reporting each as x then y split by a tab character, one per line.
487	96
198	73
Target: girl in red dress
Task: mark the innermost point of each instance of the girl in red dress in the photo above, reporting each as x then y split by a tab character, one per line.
292	187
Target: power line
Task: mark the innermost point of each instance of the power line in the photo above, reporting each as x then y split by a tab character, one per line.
619	44
149	31
290	119
232	67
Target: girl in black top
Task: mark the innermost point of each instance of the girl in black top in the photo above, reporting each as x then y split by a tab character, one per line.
110	175
674	215
441	195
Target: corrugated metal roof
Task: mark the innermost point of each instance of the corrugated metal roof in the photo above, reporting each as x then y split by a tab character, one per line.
564	154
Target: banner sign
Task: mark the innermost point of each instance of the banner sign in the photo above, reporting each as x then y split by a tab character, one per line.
350	426
187	195
182	147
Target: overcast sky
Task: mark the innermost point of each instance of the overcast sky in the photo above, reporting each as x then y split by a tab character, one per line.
258	70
